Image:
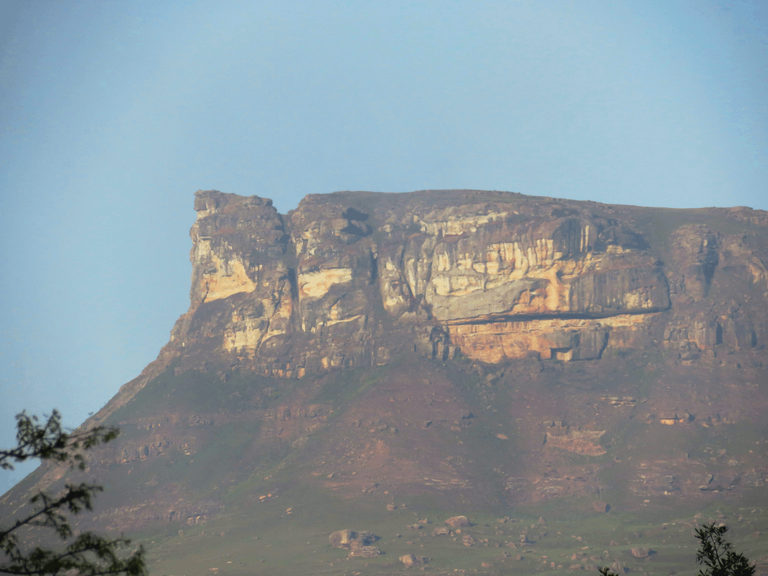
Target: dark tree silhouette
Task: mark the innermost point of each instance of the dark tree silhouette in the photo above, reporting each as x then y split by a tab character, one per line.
716	555
86	553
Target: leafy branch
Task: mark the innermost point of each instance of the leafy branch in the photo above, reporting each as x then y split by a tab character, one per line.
51	442
717	555
89	554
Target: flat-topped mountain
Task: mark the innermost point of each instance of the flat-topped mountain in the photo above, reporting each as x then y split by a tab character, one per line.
458	351
352	278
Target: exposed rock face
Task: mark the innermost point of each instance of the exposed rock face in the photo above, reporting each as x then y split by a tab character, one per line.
694	249
355	279
577	441
491	276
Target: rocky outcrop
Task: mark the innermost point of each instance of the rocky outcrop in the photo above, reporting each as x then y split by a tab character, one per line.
579	441
353	279
694	249
348	539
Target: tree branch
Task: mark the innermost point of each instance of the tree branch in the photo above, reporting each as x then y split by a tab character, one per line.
89	554
51	442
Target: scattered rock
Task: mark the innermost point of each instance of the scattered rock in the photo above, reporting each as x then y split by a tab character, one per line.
391	507
467	540
441	531
601	507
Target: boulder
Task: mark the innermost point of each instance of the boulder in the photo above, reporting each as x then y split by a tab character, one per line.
619	568
348	539
601	507
341	538
458	522
410	560
364	552
441	532
640	552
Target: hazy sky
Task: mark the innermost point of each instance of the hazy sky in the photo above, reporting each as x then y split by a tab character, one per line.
112	114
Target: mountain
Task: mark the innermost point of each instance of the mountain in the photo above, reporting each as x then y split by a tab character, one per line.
582	381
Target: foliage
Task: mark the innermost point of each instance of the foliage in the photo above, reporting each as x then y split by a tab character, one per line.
716	555
86	553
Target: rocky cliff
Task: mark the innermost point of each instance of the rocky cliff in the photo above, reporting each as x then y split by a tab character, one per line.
353	279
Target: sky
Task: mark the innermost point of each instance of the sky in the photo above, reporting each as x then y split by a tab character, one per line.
113	113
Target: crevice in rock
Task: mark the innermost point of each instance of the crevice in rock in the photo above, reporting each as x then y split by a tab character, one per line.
514	318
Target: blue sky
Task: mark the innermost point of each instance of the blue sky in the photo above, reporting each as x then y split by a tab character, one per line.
113	113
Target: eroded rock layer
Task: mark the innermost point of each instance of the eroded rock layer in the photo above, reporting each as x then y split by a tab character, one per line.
354	278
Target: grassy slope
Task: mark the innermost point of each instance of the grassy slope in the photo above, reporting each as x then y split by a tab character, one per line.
253	537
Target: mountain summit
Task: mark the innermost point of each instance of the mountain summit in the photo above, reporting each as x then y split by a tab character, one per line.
443	352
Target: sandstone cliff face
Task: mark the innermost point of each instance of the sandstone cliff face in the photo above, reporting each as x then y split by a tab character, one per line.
352	279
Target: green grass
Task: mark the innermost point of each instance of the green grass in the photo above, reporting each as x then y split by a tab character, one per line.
270	541
232	469
346	385
194	391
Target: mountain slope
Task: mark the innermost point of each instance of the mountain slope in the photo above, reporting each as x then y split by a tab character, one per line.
459	352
